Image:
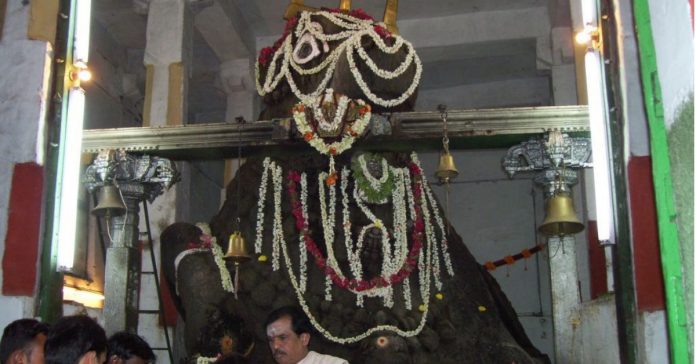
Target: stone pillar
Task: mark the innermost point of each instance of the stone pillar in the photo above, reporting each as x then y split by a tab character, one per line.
564	295
167	62
556	161
236	76
138	179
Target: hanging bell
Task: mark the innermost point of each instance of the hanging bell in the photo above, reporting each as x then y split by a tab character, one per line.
110	202
236	249
560	216
446	170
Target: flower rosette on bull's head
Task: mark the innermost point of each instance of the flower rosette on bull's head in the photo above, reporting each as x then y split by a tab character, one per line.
331	123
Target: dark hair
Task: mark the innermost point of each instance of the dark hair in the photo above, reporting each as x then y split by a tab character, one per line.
232	359
300	322
72	337
126	345
19	335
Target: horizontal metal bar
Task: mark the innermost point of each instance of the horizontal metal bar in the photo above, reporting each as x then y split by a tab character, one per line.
487	122
220	140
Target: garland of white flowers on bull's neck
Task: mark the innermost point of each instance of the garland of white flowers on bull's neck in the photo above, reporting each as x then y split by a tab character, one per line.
418	198
351	130
421	203
350	42
424	261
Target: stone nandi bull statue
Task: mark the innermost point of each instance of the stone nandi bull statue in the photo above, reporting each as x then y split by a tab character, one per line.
357	240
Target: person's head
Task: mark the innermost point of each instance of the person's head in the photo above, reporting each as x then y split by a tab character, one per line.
23	342
288	331
127	348
76	340
231	359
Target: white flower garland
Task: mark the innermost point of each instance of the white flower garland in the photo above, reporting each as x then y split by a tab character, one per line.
374	182
260	206
218	256
391	265
303	243
430	231
206	359
329	223
356	338
278	235
351	41
443	233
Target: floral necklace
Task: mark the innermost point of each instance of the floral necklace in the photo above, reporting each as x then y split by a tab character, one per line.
351	131
373	190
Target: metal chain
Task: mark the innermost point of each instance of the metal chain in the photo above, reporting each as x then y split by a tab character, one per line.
443	116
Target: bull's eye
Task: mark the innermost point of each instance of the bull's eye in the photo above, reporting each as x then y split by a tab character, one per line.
306	48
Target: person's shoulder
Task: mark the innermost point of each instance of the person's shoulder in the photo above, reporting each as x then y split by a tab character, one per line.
328	359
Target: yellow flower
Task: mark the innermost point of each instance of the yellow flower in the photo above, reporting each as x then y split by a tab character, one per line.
378	223
439	296
482	308
421	308
262	258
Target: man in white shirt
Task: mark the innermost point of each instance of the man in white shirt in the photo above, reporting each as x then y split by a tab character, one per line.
288	331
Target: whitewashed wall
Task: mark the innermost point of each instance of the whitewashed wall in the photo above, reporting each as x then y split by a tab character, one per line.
24	87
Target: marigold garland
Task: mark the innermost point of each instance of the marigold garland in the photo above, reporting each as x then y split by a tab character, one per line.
512	259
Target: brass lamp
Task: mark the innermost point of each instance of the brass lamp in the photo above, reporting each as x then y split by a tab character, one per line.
560	216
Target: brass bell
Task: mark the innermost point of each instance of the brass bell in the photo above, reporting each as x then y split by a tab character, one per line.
236	249
110	202
560	216
446	170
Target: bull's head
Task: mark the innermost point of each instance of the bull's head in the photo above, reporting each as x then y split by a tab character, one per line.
342	49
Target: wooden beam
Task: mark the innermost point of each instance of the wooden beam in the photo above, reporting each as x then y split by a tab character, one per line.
487	128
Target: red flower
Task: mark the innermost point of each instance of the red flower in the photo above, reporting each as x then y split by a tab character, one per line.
360	14
265	56
331	179
382	32
294	176
308	136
